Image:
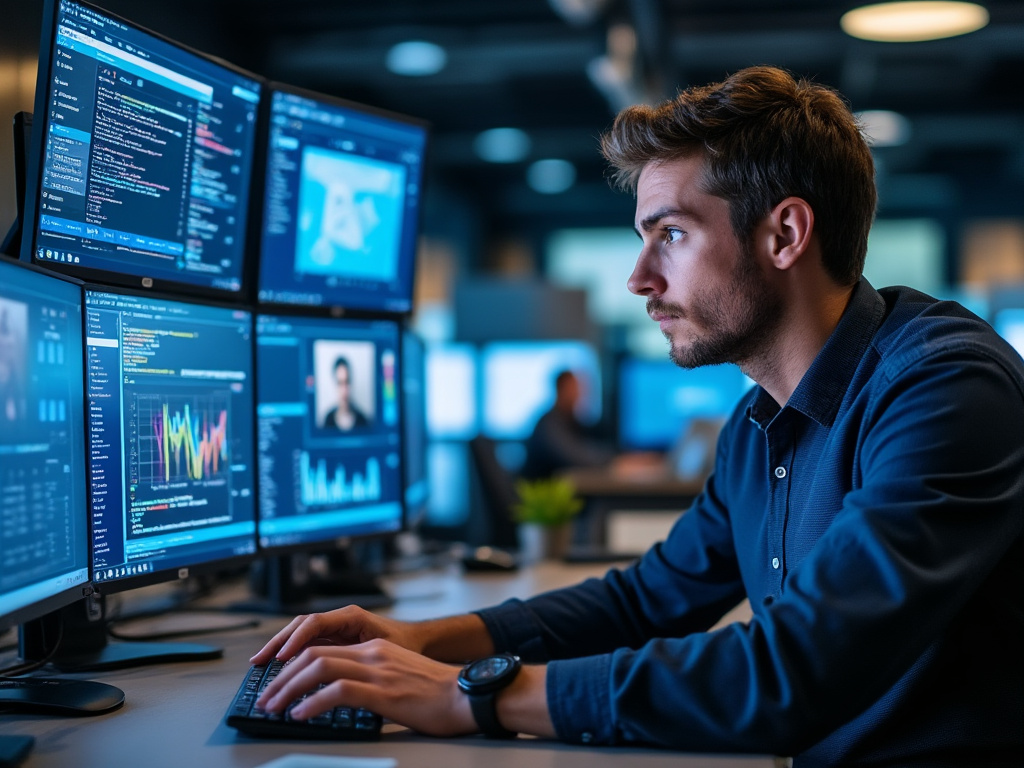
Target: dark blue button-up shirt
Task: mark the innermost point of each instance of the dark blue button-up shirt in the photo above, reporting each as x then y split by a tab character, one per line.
874	522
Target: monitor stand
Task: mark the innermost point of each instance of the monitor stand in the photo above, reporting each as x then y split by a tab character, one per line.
75	639
288	585
57	696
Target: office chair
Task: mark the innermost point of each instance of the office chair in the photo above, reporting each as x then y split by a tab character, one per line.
497	488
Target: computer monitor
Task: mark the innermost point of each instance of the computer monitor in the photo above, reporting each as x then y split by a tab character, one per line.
341	200
414	433
171	457
329	417
1009	323
452	397
518	383
657	400
141	156
44	522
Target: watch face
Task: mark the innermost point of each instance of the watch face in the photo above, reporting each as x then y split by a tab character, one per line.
488	669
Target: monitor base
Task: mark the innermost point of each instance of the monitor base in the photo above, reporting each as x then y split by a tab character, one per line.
54	696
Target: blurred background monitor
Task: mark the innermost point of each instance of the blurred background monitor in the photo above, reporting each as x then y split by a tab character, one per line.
518	384
141	157
340	209
414	427
44	521
1009	323
658	400
452	400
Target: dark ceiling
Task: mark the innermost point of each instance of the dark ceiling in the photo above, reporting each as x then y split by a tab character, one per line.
522	63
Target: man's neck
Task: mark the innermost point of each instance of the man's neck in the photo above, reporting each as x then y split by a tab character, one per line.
812	315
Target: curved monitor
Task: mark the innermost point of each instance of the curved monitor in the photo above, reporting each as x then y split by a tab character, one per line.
330	430
171	443
141	157
341	199
43	518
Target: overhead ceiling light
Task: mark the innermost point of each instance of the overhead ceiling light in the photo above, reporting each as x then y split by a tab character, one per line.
416	58
502	145
909	22
552	176
884	128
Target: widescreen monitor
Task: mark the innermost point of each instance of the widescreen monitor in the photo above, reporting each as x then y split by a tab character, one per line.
44	521
518	384
44	524
141	157
171	437
657	400
340	210
330	430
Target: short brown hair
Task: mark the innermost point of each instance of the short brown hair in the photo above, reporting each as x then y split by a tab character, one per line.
764	137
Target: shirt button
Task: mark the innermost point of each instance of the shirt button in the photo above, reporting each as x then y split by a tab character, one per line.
586	737
775	563
780	472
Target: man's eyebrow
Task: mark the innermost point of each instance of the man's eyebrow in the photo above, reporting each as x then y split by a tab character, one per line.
651	221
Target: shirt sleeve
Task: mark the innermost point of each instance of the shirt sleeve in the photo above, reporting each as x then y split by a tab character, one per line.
937	507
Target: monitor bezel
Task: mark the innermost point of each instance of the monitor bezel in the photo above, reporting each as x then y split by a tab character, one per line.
34	171
330	543
258	202
65	597
173	573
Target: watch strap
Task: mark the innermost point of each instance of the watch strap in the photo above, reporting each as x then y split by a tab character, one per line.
485	712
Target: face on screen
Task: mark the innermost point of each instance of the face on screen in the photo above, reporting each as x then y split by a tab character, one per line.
330	433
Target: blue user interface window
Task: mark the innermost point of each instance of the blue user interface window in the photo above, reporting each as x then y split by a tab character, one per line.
170	406
341	205
147	156
330	429
658	399
43	518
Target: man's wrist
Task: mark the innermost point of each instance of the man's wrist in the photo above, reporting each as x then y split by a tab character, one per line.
523	706
456	639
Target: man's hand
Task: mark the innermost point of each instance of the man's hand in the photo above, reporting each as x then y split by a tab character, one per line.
378	675
350	625
456	639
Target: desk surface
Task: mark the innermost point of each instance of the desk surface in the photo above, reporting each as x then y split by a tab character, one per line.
173	713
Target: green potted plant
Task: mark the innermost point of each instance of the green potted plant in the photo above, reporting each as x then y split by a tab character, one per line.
544	511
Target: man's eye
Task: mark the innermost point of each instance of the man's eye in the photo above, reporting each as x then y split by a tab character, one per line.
673	235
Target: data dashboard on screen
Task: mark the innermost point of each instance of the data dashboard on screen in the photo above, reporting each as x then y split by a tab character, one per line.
142	156
43	519
329	429
342	188
171	443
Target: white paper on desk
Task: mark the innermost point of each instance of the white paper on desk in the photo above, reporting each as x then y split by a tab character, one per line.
329	761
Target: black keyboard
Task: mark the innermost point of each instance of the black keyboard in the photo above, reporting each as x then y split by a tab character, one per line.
341	723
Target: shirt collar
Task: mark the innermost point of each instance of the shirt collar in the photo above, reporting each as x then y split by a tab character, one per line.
820	392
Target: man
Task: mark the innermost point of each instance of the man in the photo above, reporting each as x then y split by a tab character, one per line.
559	441
867	498
344	416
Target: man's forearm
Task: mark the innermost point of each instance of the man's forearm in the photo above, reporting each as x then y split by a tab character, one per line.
455	638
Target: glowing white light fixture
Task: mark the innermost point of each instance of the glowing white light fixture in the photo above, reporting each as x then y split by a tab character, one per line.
551	176
502	145
884	128
416	58
911	22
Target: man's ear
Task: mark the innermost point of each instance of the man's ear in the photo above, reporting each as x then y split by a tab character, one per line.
788	230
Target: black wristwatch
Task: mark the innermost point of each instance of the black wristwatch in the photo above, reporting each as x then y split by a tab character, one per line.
481	680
